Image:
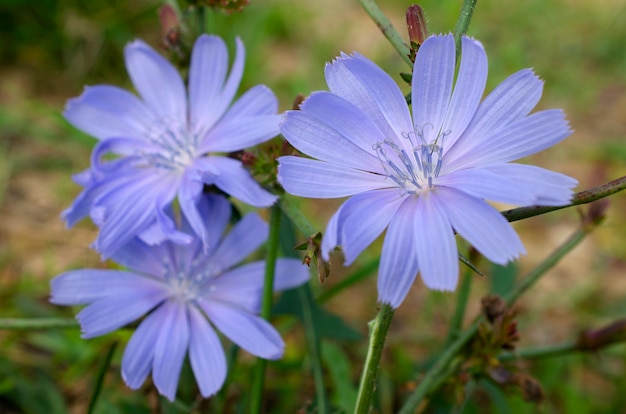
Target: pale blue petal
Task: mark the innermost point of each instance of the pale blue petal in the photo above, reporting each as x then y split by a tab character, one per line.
512	100
524	137
244	132
189	193
139	353
250	332
206	354
233	179
164	229
205	214
331	238
482	183
398	260
364	217
481	225
80	287
243	286
232	83
344	117
207	74
170	348
331	141
140	257
258	100
157	81
433	74
244	238
112	312
359	81
317	179
468	91
551	188
435	245
104	111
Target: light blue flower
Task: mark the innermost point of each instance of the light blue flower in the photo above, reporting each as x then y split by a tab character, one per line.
168	143
426	176
185	293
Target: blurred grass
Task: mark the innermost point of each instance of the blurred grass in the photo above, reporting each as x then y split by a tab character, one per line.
50	49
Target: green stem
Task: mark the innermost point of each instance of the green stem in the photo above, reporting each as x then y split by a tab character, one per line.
378	333
256	399
201	15
294	214
462	24
461	304
582	197
433	376
385	26
100	378
314	347
542	352
18	324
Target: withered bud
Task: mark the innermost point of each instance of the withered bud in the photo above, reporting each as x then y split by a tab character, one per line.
298	101
416	23
531	389
596	213
594	339
493	307
170	27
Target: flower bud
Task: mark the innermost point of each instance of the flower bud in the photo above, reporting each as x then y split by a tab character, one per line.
416	23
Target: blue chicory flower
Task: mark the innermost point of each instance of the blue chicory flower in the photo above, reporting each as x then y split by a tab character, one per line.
165	143
179	287
426	176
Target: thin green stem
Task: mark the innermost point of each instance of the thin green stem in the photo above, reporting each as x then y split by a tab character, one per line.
582	197
461	304
294	214
433	376
18	324
256	399
201	16
542	352
314	347
463	22
378	333
385	26
104	367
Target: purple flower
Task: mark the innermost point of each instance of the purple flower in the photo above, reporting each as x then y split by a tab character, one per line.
179	287
426	176
165	143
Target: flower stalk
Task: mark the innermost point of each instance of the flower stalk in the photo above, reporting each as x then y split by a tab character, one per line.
24	324
463	22
378	333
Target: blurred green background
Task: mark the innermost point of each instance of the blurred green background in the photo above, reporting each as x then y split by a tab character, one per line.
50	49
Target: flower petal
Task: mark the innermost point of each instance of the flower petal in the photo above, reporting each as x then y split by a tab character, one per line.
170	348
207	74
84	286
156	80
511	101
363	218
206	354
317	179
104	111
112	312
243	286
398	260
198	207
468	91
359	81
436	248
248	331
244	238
139	353
256	101
335	138
233	179
551	188
481	225
433	74
141	257
245	132
524	137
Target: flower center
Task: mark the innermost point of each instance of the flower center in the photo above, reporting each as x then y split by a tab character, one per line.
411	167
188	281
174	144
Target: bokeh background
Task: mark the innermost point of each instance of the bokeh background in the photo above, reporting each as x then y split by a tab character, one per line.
50	49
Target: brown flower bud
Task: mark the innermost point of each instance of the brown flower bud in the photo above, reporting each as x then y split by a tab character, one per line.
493	307
416	23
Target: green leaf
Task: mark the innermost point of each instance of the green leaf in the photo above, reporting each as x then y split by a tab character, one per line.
503	279
344	392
